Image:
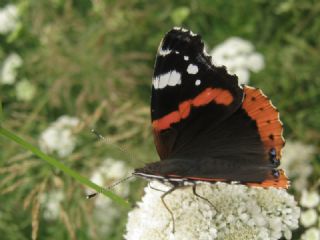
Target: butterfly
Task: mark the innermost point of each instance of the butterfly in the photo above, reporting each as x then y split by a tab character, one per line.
206	127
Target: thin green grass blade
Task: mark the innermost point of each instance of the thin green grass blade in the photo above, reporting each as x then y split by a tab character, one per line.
1	112
63	168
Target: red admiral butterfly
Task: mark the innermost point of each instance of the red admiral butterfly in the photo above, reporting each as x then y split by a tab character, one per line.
206	127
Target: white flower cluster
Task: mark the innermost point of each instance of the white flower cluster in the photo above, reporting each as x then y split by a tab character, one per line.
59	137
25	90
296	158
51	202
239	57
238	212
8	18
309	217
9	69
106	174
311	234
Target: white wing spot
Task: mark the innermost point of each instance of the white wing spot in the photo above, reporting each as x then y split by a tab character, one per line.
164	52
192	69
172	78
192	34
198	82
186	58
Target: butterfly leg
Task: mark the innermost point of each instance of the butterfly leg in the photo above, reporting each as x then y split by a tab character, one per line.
166	206
199	196
149	184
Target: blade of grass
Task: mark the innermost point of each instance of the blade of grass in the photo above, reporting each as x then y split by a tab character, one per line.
63	168
1	112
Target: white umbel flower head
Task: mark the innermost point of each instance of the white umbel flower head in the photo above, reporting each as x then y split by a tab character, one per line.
239	57
309	217
252	213
8	18
311	234
309	199
51	204
59	137
255	62
8	72
25	90
296	158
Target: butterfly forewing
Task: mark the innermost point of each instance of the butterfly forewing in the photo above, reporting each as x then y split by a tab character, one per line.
185	79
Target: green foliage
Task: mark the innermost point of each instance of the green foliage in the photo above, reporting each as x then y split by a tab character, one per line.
94	59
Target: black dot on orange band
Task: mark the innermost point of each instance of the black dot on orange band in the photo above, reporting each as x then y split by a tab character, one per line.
261	109
275	173
271	136
253	98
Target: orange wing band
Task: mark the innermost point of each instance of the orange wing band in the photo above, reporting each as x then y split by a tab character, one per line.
280	182
217	95
260	109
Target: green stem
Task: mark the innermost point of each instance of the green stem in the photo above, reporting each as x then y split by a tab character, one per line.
63	168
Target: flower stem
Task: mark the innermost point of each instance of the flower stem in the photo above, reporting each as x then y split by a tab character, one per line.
63	167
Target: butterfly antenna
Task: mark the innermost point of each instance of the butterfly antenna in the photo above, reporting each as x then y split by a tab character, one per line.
91	195
109	141
98	135
120	181
110	187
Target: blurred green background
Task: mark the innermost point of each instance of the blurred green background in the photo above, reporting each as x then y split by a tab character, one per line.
93	60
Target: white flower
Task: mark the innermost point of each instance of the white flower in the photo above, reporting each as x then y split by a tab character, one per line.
238	56
309	199
109	172
241	45
238	212
25	90
311	234
8	73
309	217
255	62
242	74
8	18
51	202
58	137
295	160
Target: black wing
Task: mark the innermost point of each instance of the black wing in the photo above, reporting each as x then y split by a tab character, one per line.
186	87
